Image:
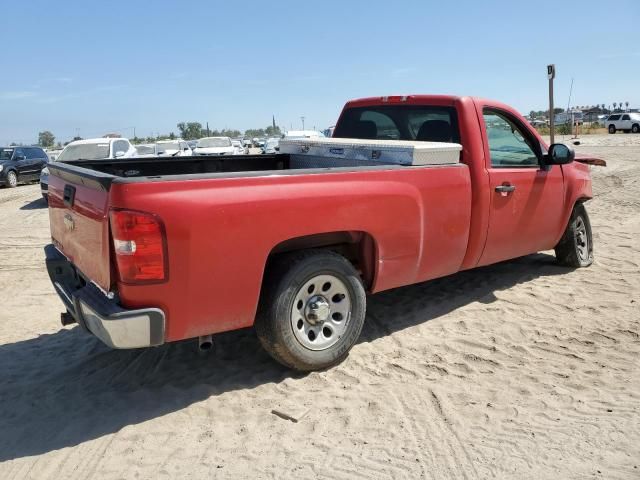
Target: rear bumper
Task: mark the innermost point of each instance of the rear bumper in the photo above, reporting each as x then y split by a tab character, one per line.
114	325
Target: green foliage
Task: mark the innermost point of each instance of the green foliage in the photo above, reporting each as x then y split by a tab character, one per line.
273	131
225	133
46	139
190	130
270	131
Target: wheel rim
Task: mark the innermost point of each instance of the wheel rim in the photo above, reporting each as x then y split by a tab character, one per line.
320	312
13	180
612	129
581	239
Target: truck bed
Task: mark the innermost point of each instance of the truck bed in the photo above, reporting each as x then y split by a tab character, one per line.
222	166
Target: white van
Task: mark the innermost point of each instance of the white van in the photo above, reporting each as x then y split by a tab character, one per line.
627	122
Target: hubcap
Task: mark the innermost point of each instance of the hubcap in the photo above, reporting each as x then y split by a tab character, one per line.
13	180
581	239
320	312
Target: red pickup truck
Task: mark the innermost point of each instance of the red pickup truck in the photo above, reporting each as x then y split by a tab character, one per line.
153	250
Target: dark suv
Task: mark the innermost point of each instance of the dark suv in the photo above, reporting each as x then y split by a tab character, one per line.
21	164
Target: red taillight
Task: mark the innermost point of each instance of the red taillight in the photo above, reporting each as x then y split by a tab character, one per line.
139	246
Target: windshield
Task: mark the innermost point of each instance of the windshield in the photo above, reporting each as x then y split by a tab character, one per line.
164	146
86	151
145	149
214	142
5	153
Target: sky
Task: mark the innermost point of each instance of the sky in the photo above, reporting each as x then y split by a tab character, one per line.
76	68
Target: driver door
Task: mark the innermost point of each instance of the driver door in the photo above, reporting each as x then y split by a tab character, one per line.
526	198
21	163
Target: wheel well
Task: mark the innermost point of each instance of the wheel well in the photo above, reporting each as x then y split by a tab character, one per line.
358	247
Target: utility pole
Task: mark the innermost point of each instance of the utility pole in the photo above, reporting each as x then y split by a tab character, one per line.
302	118
551	74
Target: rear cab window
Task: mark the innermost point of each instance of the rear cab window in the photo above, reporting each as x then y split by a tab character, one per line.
400	122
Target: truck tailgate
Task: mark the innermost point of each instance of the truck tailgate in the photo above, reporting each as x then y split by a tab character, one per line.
79	218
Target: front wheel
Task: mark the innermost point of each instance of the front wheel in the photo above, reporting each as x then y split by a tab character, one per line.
575	248
311	310
612	129
12	179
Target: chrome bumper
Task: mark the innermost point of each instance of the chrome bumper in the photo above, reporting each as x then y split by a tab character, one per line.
114	325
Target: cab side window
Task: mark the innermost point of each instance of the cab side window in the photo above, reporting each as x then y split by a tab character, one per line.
120	146
508	144
18	152
33	153
625	117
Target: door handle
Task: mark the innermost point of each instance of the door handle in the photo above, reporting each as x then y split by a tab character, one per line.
505	188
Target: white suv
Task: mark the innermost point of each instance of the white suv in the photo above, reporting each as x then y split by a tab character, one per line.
627	122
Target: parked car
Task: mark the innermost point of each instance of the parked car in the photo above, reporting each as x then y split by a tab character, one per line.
239	147
627	122
21	164
89	149
294	250
173	148
271	145
214	146
53	154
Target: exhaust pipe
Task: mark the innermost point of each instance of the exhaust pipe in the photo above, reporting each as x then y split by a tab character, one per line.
205	343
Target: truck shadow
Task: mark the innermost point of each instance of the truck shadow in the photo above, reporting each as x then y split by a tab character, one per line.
35	204
60	390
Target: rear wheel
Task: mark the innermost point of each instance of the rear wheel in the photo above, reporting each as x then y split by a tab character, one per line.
12	179
635	128
311	310
612	129
575	248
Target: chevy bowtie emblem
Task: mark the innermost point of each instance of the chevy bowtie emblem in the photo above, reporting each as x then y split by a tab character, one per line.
69	222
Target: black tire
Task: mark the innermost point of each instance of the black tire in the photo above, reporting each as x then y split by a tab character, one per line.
612	129
284	281
12	179
635	128
575	248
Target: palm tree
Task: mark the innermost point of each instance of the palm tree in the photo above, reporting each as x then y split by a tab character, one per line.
614	106
626	105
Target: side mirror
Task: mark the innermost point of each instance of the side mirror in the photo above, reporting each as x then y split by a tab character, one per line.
120	154
560	154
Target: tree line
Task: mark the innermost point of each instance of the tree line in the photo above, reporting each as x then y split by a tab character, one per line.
188	131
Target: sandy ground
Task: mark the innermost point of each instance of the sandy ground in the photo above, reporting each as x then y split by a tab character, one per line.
519	370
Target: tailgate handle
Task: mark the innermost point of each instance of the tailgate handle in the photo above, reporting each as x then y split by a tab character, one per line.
69	195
